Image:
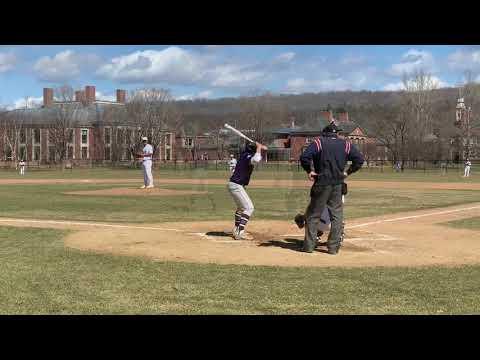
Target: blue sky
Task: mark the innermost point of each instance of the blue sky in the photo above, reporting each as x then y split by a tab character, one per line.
211	71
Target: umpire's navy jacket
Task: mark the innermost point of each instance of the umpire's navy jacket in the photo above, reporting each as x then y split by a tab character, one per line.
330	155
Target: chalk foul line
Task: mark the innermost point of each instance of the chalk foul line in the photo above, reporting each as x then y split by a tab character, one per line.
412	217
118	226
401	218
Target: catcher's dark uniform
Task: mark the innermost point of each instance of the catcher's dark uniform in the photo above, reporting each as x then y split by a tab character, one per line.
329	155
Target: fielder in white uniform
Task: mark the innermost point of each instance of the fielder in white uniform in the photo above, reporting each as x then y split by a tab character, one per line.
22	167
232	163
468	164
147	164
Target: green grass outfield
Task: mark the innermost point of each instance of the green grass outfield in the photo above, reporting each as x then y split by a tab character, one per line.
39	276
470	223
49	202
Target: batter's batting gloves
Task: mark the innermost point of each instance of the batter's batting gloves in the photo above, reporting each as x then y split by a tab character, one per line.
300	220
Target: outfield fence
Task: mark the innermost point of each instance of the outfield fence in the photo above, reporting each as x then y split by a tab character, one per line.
439	166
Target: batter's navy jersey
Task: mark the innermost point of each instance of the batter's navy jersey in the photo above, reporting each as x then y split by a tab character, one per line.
243	170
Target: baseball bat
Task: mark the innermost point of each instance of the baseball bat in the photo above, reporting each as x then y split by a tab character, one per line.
239	133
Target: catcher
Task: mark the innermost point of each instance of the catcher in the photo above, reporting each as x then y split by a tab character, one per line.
324	219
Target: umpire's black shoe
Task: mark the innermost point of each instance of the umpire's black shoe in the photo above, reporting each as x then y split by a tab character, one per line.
333	251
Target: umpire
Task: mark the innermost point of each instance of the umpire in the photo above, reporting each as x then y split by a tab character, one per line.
329	155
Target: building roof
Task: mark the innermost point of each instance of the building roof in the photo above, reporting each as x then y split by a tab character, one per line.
347	126
82	115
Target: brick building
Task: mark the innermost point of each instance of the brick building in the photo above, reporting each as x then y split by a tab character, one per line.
90	140
289	143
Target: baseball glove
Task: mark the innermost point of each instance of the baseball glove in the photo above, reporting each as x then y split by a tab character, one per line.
344	189
300	220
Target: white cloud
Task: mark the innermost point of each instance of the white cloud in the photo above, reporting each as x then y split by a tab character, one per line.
172	65
464	60
285	57
177	66
104	97
7	61
65	65
397	86
353	60
31	102
233	75
329	82
413	60
213	47
204	94
201	95
394	86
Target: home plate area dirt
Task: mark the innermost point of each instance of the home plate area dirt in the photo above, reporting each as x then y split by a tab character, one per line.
405	239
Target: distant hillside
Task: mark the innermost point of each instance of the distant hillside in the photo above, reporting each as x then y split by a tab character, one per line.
361	105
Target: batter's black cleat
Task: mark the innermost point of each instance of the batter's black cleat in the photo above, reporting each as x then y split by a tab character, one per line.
300	220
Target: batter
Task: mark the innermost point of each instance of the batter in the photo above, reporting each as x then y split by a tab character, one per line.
236	187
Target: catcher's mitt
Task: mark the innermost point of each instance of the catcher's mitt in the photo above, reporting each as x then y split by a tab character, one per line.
344	189
300	220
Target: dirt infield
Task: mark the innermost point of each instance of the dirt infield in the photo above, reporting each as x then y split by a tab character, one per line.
402	239
135	192
366	184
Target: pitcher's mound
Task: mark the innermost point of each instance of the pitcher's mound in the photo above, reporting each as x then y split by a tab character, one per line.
136	192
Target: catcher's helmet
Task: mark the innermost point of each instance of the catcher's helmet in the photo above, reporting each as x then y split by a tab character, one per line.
251	147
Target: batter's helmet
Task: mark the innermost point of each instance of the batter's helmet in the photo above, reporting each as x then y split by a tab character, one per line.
331	128
251	147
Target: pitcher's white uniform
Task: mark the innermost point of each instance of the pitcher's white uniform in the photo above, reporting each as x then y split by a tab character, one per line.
22	167
467	168
147	166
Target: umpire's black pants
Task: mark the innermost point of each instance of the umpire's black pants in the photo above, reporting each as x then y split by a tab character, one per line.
320	196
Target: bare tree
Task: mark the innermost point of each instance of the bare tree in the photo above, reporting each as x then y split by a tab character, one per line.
259	113
392	130
119	133
469	122
418	107
11	129
63	119
154	113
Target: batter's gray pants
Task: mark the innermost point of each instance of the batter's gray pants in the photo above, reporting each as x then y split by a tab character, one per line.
320	197
241	198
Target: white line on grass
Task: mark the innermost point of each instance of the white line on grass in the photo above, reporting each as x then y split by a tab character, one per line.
400	218
412	217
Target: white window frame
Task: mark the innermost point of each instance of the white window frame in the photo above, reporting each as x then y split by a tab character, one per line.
36	144
82	145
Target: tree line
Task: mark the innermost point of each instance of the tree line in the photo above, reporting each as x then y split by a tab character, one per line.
415	123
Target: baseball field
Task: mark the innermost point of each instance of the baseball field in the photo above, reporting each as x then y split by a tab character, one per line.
88	241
